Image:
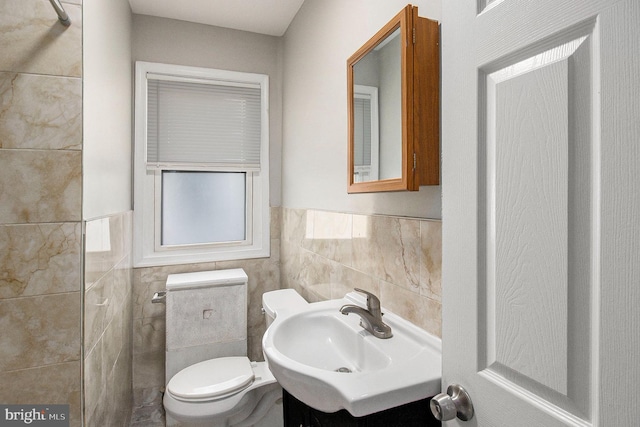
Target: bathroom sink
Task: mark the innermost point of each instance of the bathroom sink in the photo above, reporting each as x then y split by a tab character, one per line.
325	342
328	361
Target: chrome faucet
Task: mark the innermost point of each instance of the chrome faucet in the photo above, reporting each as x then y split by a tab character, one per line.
371	317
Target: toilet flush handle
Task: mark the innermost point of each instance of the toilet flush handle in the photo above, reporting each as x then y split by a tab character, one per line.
159	297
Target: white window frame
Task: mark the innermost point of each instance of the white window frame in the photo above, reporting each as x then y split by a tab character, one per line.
147	250
370	93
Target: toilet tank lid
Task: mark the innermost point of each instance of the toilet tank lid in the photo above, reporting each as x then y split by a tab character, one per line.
206	278
287	299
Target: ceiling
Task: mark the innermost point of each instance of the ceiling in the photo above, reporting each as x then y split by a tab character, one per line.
270	17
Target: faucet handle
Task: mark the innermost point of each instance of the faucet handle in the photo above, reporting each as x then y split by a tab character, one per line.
373	303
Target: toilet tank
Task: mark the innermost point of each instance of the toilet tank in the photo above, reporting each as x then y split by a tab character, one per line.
282	299
206	317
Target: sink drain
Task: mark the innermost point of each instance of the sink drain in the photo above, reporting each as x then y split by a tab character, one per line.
344	370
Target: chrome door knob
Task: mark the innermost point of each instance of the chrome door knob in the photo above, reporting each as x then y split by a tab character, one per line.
456	402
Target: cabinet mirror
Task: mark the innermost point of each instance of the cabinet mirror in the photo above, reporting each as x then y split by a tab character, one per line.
393	107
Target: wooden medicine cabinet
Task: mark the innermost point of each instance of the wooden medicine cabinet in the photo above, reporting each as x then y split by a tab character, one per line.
393	104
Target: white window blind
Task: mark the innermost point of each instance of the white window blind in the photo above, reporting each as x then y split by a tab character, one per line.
203	123
362	131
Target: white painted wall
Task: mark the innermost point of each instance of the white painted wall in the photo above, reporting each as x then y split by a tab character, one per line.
107	85
179	42
317	44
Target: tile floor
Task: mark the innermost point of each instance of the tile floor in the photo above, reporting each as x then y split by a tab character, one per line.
148	410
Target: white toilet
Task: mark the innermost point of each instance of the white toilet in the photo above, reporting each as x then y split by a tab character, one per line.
226	389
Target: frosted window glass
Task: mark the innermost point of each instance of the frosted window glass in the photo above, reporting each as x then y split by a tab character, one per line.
203	207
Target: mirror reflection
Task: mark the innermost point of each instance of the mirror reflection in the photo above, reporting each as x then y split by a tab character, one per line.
365	133
377	108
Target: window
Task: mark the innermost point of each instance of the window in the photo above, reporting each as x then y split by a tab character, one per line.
201	179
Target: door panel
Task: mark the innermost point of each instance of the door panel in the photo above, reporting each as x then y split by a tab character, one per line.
535	131
535	166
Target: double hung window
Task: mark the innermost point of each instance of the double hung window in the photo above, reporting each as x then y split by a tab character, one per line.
201	165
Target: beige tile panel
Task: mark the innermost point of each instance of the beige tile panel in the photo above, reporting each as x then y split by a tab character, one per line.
159	274
40	112
149	335
398	259
148	369
388	248
264	275
347	279
52	384
34	41
108	377
254	348
94	377
315	275
119	396
431	261
113	338
106	301
276	222
96	410
142	294
39	259
295	228
308	273
108	243
331	236
122	283
290	265
40	330
101	250
96	306
421	311
275	250
40	186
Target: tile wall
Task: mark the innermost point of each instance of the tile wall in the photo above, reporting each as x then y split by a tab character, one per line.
108	321
40	205
320	254
327	254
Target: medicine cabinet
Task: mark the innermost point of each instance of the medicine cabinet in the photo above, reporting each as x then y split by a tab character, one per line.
393	106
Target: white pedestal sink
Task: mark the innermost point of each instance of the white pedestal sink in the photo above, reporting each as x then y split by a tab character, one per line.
328	361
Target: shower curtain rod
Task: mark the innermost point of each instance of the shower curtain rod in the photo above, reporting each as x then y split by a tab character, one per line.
62	14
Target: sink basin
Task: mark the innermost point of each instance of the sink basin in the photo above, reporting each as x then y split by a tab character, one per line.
324	341
328	361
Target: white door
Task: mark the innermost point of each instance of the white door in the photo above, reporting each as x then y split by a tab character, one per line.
541	210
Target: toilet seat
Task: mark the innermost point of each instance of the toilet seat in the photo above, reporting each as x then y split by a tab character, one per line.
212	379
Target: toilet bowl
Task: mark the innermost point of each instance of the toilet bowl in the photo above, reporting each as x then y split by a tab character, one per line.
228	391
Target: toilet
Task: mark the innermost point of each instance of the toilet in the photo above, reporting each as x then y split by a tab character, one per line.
211	381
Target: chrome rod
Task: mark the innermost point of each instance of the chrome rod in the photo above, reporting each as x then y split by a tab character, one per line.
62	14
